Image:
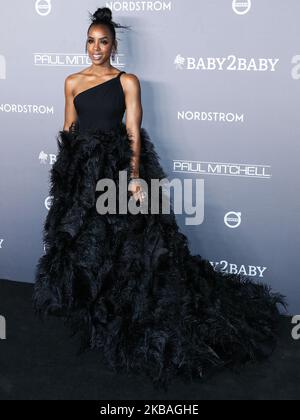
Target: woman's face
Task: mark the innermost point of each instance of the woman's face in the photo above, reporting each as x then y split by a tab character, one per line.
99	44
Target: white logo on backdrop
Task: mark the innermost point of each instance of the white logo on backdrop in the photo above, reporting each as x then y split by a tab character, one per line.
43	157
241	7
1	242
69	60
179	62
140	6
26	109
233	219
222	169
43	7
245	270
296	68
227	117
2	67
2	328
46	158
48	202
229	63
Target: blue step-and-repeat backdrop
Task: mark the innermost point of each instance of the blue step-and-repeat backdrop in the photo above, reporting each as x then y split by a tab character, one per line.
221	98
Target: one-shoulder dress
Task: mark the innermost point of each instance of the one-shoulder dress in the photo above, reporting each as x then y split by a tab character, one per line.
128	283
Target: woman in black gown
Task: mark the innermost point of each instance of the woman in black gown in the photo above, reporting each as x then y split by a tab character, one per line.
126	283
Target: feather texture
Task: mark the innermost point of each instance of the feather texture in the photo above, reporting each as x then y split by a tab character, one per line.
128	284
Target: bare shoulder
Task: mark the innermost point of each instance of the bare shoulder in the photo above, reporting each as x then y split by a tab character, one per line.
72	81
132	78
130	82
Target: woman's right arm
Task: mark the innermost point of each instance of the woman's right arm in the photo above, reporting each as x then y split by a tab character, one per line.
70	111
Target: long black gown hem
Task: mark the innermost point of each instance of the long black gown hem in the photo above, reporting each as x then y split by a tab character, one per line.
128	285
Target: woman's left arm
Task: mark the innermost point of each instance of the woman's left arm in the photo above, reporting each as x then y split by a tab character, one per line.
134	115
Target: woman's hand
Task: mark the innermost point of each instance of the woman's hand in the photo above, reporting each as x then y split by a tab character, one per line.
135	188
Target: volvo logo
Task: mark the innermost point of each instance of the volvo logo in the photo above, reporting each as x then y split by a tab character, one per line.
241	7
233	219
48	202
43	7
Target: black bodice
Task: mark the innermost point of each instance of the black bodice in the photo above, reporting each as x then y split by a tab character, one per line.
101	106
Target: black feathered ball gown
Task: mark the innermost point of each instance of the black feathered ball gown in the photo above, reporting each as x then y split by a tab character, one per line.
128	284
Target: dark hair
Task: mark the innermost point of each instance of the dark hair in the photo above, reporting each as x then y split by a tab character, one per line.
103	16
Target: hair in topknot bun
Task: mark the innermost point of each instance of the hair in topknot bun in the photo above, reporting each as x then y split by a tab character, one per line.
103	16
